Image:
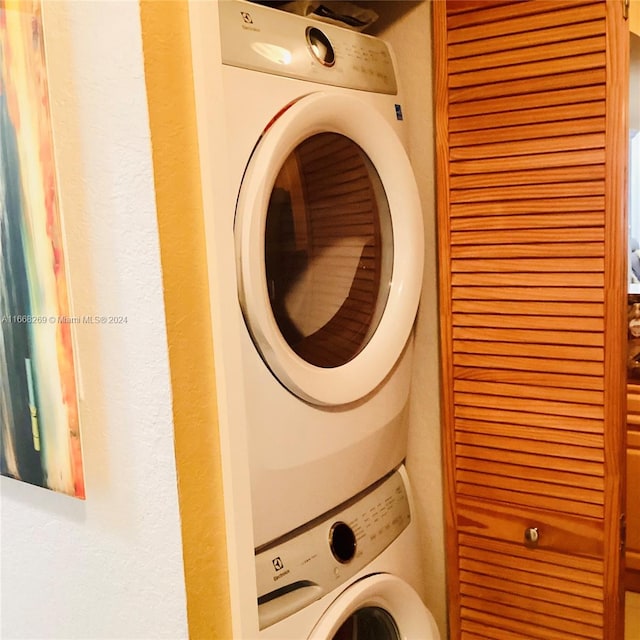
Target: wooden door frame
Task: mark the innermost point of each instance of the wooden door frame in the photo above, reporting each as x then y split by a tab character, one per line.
616	287
441	96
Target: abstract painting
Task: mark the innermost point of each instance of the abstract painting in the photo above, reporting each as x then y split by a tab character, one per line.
38	394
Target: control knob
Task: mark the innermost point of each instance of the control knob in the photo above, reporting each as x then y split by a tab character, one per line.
342	541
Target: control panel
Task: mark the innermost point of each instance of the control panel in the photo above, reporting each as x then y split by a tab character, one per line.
273	41
305	565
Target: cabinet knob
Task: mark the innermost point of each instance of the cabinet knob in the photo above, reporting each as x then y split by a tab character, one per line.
531	536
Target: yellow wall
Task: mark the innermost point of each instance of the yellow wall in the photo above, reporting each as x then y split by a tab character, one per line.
167	57
634	16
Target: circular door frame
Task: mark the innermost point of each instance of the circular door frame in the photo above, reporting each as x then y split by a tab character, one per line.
395	596
344	114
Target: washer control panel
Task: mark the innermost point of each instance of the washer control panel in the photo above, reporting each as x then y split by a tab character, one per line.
303	566
273	41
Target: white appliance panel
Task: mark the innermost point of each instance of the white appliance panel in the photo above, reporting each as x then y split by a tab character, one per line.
360	560
304	457
283	44
305	565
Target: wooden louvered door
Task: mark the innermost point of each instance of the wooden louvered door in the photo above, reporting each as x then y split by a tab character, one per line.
632	556
531	143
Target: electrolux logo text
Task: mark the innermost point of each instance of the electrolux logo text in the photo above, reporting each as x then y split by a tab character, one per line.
248	20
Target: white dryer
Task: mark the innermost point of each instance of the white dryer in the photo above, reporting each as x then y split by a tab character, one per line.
329	255
352	574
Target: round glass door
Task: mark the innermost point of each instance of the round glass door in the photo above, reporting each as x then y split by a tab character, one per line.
329	247
377	607
368	623
328	250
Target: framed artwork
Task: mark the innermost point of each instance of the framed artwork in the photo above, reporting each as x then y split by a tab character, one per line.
38	393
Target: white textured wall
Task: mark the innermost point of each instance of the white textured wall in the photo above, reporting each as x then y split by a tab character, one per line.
110	567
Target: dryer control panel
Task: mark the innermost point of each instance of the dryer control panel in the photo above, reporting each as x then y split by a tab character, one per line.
315	559
273	41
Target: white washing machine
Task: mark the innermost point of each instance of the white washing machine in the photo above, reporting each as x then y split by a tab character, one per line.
329	255
353	573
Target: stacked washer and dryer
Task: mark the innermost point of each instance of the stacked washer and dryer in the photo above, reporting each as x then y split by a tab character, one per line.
328	268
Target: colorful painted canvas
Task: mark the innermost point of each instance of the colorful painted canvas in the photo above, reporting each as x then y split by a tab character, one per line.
38	398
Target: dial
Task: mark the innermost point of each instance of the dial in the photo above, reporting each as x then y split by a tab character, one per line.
320	46
342	541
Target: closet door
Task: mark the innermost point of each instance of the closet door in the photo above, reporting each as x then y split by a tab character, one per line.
531	145
632	556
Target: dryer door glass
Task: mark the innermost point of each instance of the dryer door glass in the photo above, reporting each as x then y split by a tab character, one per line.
369	623
328	250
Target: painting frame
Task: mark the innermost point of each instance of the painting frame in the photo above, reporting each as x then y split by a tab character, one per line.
39	403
